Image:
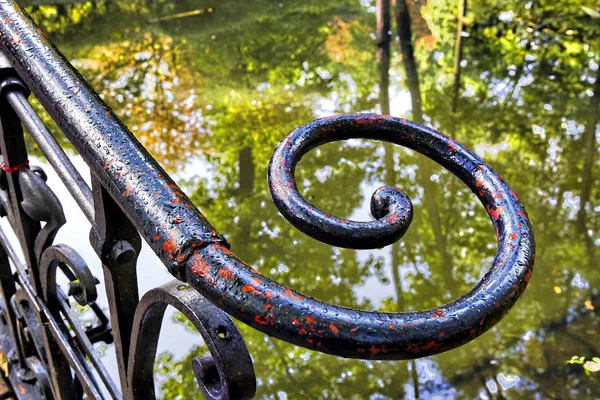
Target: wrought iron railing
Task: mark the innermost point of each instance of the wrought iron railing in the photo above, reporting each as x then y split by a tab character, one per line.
49	354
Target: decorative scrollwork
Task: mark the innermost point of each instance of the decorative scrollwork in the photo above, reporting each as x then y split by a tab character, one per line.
286	314
132	195
391	206
83	284
41	204
225	373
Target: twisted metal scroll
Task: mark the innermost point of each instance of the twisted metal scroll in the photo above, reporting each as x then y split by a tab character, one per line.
302	320
225	373
130	184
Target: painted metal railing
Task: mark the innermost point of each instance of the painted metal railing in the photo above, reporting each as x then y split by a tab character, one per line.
50	355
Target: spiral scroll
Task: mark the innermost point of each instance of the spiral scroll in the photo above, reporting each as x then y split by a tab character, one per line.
226	372
286	314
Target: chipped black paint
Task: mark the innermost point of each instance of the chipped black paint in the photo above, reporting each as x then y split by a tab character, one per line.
192	250
302	320
155	204
391	206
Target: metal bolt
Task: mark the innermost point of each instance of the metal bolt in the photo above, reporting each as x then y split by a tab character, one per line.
122	252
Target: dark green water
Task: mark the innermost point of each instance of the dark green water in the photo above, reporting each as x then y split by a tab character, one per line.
211	95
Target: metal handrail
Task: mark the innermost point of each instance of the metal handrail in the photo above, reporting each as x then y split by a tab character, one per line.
127	181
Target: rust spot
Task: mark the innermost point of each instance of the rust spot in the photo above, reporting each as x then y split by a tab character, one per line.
175	200
262	321
302	331
226	274
127	191
250	289
288	293
392	218
255	281
429	345
334	329
200	267
495	213
156	238
170	246
309	320
374	350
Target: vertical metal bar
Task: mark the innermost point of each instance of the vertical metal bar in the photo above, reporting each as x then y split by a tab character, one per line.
7	291
14	157
54	153
117	243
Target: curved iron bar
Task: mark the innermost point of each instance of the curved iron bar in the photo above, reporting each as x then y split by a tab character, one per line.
82	287
225	373
58	341
289	315
391	207
41	204
193	250
85	289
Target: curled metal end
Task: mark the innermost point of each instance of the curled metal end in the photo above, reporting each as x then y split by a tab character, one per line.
391	207
286	314
226	372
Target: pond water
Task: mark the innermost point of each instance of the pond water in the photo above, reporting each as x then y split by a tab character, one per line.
211	88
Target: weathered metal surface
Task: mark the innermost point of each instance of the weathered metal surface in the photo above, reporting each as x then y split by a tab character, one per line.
286	314
50	353
225	373
160	211
130	187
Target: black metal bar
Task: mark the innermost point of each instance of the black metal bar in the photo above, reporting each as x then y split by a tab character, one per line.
137	183
133	196
118	246
56	156
59	335
192	250
14	158
226	373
